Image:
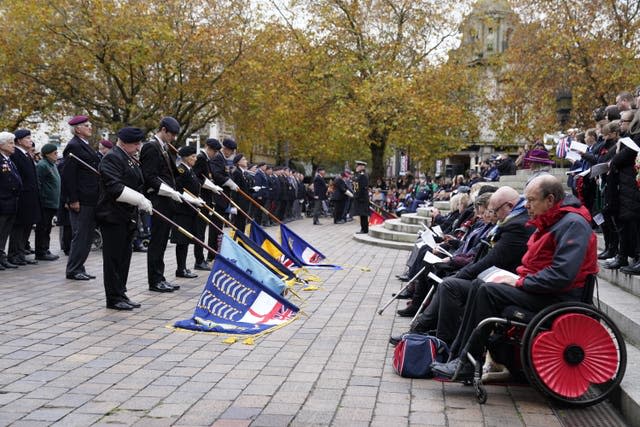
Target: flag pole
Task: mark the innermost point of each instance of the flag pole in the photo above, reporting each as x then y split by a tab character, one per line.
155	211
220	217
265	210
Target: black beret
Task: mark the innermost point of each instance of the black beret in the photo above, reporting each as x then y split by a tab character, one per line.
260	164
229	143
238	157
130	135
170	124
213	143
21	133
186	151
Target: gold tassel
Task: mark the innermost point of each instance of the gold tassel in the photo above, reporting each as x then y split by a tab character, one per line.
249	341
230	340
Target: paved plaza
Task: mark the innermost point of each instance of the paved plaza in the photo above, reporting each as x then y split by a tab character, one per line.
66	360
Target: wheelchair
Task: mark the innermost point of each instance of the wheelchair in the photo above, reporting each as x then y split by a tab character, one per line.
571	352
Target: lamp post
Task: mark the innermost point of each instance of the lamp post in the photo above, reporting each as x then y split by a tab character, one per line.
563	106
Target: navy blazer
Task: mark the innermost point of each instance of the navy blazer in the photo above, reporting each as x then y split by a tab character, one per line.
29	202
10	187
79	183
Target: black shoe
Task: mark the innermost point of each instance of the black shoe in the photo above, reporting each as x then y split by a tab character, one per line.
405	294
455	370
120	305
139	248
78	276
316	223
47	257
30	261
133	303
618	261
404	278
2	267
186	273
6	264
202	266
632	269
362	232
410	311
17	261
395	339
606	254
342	221
161	287
90	276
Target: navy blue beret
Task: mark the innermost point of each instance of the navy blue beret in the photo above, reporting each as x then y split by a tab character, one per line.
170	124
237	158
186	151
213	143
229	143
21	133
129	135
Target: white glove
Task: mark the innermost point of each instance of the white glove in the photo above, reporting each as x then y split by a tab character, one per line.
256	188
233	211
132	197
196	201
207	184
167	191
348	193
231	185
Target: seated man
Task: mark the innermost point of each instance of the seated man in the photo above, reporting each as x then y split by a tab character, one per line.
508	242
560	255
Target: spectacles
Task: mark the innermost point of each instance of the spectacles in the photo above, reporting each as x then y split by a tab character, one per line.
625	121
494	211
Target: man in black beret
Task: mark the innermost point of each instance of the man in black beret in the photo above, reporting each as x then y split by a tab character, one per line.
221	170
121	186
158	162
239	176
202	170
29	201
360	205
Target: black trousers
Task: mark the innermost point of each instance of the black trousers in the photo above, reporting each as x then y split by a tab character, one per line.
83	225
43	231
490	300
628	235
364	223
116	259
200	229
181	256
6	223
160	231
338	210
18	238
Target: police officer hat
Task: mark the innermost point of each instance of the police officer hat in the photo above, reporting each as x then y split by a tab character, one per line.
21	133
229	143
130	135
170	124
186	151
213	143
360	163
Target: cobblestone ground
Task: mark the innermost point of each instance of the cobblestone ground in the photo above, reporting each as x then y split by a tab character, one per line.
67	360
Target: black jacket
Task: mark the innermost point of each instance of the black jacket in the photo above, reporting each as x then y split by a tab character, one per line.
319	188
10	186
623	164
117	170
29	202
510	244
202	169
79	183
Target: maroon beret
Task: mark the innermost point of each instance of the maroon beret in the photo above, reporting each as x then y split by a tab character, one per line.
106	143
78	120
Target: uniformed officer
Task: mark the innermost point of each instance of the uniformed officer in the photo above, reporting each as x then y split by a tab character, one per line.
121	183
361	196
10	186
261	194
158	164
221	170
29	202
49	180
80	187
238	174
202	169
185	216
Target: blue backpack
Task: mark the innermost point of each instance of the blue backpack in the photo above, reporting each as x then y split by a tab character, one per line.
415	353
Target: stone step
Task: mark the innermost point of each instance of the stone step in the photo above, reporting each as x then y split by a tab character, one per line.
623	308
380	232
413	218
370	240
399	225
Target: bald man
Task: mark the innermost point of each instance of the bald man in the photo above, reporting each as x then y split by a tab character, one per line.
506	243
560	256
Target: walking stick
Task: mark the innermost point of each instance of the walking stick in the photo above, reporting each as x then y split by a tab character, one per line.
155	211
405	287
426	299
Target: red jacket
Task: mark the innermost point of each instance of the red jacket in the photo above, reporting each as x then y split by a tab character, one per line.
562	252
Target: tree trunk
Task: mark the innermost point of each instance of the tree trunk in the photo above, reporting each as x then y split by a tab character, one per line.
377	160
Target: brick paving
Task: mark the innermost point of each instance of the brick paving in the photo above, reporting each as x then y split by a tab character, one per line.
66	360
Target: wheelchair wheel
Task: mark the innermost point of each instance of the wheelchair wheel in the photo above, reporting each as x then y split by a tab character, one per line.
574	353
97	240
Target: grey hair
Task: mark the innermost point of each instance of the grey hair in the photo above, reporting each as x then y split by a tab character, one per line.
6	137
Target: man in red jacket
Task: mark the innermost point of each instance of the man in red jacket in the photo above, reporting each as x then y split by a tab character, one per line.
561	254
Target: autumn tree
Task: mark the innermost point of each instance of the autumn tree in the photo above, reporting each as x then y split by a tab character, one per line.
126	61
589	47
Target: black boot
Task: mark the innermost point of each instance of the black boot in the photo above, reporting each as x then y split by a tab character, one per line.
607	253
618	261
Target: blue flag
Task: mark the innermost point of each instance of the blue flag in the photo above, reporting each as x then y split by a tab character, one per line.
234	253
261	255
273	248
301	251
234	303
